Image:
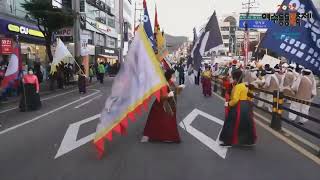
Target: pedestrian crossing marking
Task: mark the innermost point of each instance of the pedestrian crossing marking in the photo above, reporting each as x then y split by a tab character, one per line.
210	143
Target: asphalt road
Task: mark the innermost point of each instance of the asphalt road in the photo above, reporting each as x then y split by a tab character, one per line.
54	143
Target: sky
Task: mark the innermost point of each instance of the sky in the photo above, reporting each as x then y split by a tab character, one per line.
179	17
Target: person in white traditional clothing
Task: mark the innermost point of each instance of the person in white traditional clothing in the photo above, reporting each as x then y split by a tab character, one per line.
260	83
246	75
278	73
287	81
305	89
271	84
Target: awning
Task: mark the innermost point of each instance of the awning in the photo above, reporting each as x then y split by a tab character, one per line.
106	56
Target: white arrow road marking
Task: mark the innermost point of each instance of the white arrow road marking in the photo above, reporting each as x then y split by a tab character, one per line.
87	102
70	141
210	143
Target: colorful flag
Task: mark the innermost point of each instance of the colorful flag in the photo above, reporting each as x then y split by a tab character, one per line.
12	72
300	43
140	77
161	49
61	54
147	25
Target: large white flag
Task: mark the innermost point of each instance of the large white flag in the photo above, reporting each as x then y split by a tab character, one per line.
62	54
139	78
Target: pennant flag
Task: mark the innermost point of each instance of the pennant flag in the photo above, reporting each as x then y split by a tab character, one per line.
209	39
161	49
61	54
12	72
139	78
297	43
156	22
147	25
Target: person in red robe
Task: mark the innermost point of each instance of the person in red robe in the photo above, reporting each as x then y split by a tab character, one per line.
162	121
30	99
206	80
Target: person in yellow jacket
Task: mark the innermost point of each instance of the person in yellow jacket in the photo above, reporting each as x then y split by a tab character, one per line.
239	127
206	78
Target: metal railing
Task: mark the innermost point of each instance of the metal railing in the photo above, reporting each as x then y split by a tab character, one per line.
278	107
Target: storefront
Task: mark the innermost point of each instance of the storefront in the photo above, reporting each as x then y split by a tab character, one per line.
107	55
31	39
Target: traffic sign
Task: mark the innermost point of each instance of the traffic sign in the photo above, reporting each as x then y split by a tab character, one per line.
253	16
255	24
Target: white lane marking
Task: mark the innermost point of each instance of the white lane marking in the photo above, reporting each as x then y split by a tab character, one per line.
285	139
87	102
299	138
70	142
291	143
51	97
44	99
7	110
46	114
210	143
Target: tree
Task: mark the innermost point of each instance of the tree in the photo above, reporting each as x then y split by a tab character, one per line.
49	19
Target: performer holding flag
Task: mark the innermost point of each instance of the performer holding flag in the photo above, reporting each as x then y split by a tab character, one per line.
162	121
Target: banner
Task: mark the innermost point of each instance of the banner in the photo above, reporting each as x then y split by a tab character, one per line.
299	43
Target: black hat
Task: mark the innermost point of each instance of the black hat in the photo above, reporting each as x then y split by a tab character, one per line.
237	75
277	68
267	66
168	74
306	72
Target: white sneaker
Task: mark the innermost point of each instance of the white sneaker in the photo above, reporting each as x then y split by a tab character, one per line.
144	139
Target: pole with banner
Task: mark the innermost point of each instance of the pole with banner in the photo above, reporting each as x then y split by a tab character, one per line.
84	52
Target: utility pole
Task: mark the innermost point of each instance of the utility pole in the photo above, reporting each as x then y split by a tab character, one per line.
249	5
76	28
135	13
121	29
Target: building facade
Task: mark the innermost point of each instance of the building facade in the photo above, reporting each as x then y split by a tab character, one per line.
98	26
233	36
16	24
128	20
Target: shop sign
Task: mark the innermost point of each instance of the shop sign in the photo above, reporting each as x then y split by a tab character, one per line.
101	28
6	46
24	30
84	45
109	51
65	32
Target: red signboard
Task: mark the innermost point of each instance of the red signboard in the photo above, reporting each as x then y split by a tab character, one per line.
6	46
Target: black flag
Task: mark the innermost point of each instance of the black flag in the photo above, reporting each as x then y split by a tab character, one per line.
209	38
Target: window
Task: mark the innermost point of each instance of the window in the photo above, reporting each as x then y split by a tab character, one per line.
111	42
225	37
82	5
226	45
100	39
224	28
111	22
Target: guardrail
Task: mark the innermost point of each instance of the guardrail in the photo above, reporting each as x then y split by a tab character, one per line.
277	107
